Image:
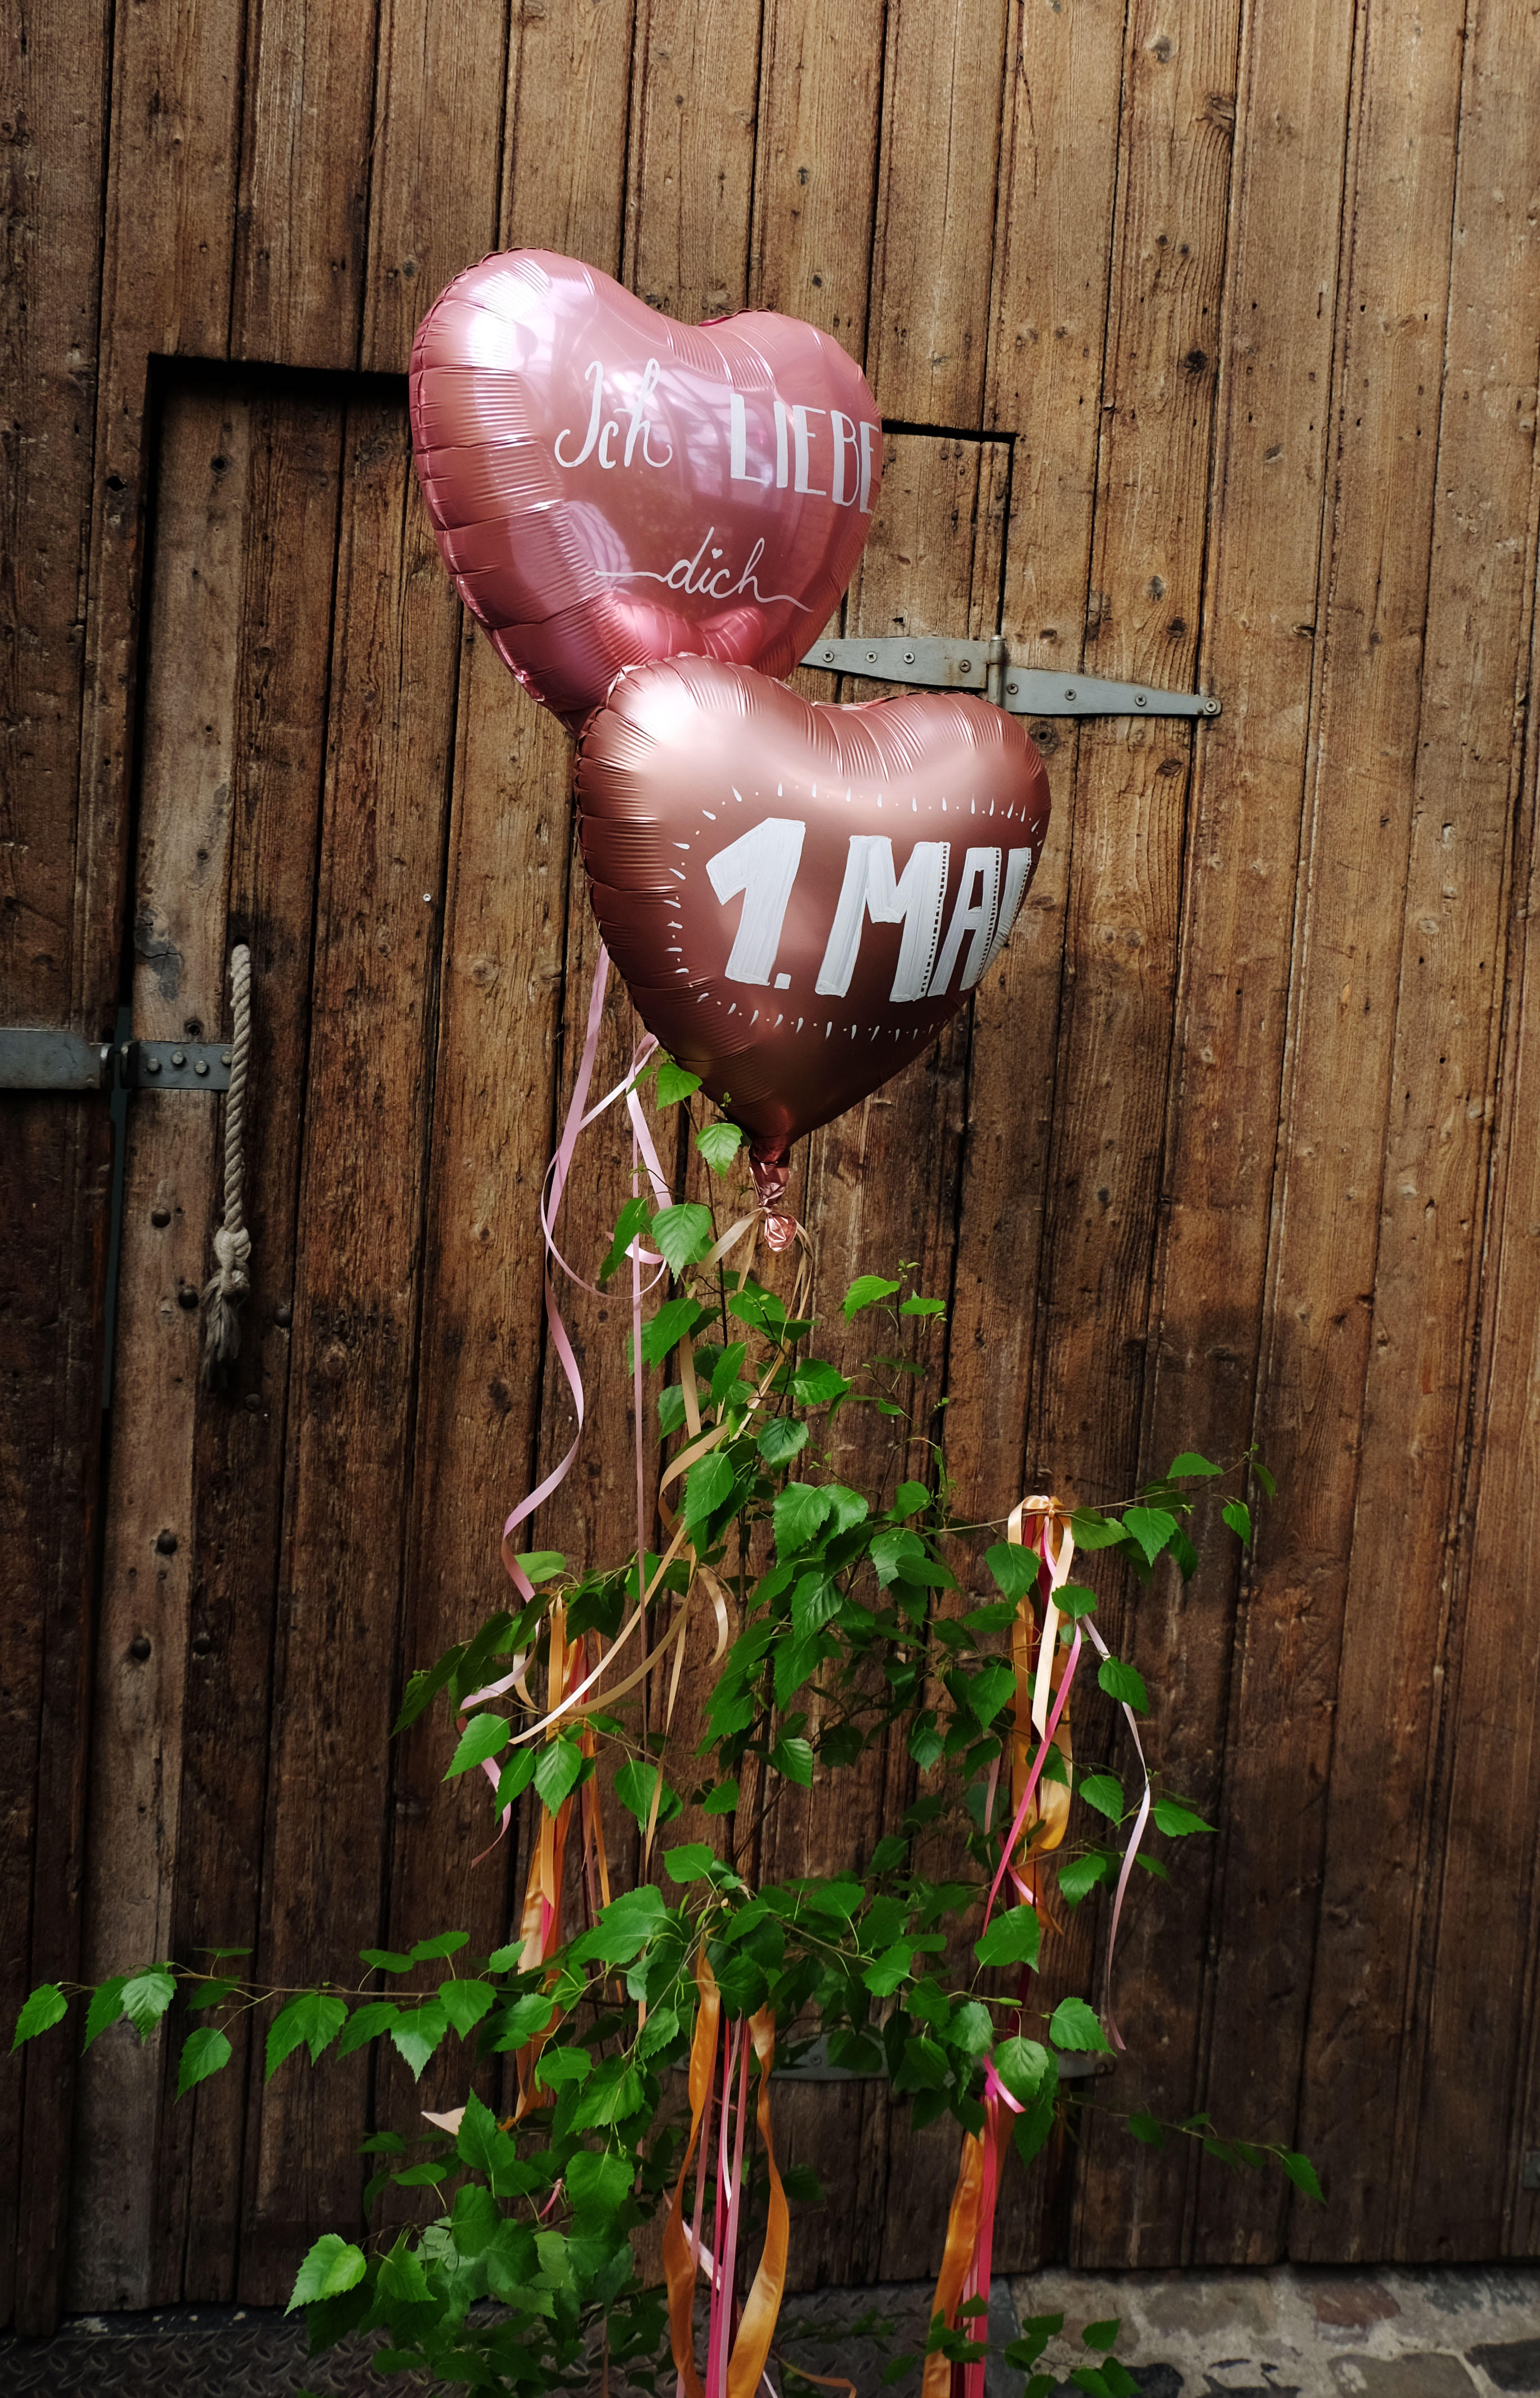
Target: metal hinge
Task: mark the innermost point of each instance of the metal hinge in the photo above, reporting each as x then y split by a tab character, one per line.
932	664
34	1058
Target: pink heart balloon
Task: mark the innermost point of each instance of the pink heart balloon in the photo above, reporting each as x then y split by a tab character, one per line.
799	896
608	487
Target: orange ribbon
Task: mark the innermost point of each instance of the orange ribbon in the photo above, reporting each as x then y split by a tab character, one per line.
756	2328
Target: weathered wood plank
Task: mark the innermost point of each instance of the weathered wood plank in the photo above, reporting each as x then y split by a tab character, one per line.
1474	2126
286	573
943	96
1053	253
1274	353
54	1154
565	150
880	1189
357	1298
1392	306
1122	829
1471	2123
181	871
305	172
1364	2055
483	1326
815	164
440	84
689	190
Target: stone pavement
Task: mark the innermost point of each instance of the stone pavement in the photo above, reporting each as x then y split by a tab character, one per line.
1439	2332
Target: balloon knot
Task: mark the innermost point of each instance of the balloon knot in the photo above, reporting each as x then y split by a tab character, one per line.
769	1173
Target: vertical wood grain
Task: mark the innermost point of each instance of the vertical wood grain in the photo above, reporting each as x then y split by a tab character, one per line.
441	85
1258	651
566	115
55	1154
357	1298
1364	2037
1121	831
689	191
1053	252
302	231
483	1327
181	874
1392	306
815	165
285	576
942	96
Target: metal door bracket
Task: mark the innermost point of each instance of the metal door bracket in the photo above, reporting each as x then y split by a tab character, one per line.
175	1065
930	664
35	1059
32	1059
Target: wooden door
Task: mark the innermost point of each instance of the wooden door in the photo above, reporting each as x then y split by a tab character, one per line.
1206	337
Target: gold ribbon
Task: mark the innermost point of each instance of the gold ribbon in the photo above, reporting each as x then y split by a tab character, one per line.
756	2329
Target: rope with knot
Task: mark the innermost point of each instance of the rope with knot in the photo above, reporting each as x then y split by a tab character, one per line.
225	1291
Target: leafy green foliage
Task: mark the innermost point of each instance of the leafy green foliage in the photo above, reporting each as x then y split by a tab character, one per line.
46	2006
862	1619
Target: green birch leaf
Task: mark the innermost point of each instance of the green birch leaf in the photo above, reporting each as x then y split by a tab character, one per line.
1150	1526
1124	1683
515	1778
442	1943
1269	1486
367	2023
598	2186
1072	2026
799	1511
46	2006
1146	2128
1189	1463
682	1234
556	1772
1103	1792
1015	1569
203	2052
865	1291
718	1143
313	2021
886	1973
794	1759
332	2265
1026	2068
990	1689
1175	1820
1080	1875
815	1383
634	1784
1093	1530
418	2033
106	2006
689	1862
1013	1938
1239	1517
675	1083
482	1737
781	1440
668	1327
708	1486
1301	2172
630	1224
147	1997
465	2003
725	1372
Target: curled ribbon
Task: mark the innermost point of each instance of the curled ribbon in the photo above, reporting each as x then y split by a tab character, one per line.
735	2359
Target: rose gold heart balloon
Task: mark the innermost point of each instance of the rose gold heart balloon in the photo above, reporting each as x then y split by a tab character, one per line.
608	487
799	896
